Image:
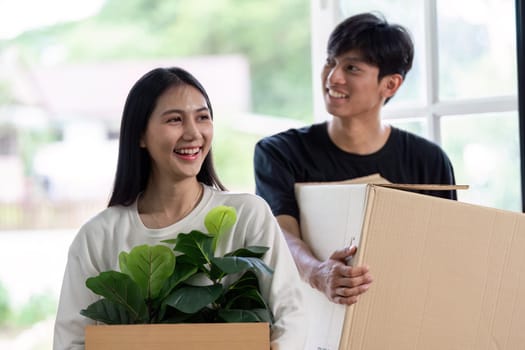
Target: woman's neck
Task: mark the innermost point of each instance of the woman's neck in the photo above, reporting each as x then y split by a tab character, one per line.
163	205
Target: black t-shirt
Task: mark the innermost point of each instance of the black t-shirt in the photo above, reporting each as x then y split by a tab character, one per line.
309	155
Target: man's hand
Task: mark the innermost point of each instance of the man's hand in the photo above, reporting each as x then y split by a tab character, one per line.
341	283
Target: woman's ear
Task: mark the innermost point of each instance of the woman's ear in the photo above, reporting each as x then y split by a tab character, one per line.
391	83
142	144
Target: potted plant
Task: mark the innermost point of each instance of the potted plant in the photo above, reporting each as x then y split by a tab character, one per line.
186	285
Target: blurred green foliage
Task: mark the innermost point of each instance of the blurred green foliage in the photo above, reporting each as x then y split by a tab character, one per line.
233	155
273	34
37	308
5	308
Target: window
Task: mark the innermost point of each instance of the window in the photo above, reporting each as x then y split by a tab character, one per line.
462	90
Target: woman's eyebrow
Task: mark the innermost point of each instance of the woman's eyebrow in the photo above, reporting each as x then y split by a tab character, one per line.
182	111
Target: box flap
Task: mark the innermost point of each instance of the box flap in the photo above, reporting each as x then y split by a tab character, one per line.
377	179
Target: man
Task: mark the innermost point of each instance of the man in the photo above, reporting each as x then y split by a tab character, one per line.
367	61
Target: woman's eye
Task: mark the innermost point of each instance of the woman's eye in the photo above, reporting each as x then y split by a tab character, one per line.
204	117
174	120
352	68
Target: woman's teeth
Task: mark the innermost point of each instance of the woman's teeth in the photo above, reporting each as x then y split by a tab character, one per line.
187	150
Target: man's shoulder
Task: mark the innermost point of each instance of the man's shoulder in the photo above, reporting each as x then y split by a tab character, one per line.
413	140
293	135
419	147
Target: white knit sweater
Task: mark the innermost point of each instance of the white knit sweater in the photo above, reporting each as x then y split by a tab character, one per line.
96	247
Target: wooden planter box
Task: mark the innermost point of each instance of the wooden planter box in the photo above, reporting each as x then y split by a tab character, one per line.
203	336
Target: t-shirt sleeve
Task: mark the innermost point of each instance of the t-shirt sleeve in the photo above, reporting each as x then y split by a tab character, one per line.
274	177
447	177
438	170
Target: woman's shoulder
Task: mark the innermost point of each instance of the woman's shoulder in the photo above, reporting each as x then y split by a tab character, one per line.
237	197
241	201
107	220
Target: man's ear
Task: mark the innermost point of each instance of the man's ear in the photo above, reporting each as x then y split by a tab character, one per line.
391	83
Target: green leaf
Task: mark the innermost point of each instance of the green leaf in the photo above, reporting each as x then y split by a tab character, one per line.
251	251
123	263
150	267
265	315
172	315
219	220
196	245
120	289
190	299
245	293
246	298
236	315
247	280
170	241
181	273
215	273
108	312
238	264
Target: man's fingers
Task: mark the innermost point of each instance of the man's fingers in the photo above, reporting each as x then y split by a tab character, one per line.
344	253
350	271
348	295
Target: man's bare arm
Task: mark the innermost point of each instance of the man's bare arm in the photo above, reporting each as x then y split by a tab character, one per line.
341	284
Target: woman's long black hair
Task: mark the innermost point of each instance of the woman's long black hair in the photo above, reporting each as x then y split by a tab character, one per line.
134	162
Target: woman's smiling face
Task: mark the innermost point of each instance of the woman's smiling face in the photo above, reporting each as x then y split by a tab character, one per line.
179	133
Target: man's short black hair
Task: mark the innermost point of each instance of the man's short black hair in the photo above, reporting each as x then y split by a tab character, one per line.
387	46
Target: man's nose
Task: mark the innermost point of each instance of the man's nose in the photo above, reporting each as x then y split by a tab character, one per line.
335	75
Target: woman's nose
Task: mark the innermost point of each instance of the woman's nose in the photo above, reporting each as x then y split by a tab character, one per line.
190	130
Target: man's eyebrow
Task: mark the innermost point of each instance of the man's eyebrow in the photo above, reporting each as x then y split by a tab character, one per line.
354	58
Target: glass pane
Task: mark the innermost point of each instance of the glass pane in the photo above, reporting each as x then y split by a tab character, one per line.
477	48
416	126
395	11
484	150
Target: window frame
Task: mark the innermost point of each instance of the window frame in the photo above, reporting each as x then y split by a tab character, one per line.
325	14
520	48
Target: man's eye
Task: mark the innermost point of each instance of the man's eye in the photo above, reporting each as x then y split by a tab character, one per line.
174	120
204	117
352	68
329	63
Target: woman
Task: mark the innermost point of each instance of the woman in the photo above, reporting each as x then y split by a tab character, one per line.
165	184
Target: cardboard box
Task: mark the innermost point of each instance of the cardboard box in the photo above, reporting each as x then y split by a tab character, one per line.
447	275
203	336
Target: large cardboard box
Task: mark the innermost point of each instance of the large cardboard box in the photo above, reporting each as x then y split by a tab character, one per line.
217	336
447	275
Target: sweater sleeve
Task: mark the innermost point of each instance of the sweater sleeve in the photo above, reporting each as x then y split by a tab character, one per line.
282	289
74	296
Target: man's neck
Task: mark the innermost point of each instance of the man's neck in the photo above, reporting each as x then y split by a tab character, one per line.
358	136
